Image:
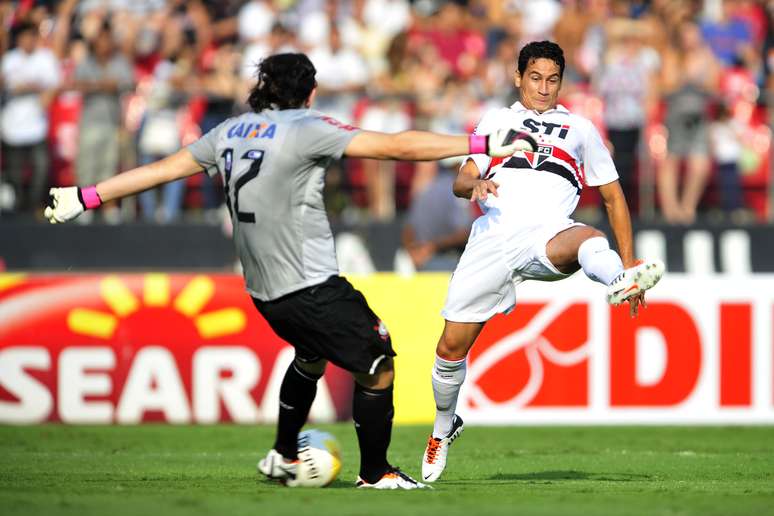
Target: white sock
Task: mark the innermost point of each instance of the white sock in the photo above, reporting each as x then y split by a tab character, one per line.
598	261
448	376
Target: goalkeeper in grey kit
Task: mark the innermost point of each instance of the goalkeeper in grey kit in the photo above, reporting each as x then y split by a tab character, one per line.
273	162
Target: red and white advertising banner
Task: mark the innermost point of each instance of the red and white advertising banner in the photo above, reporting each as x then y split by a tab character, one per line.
185	348
701	352
131	348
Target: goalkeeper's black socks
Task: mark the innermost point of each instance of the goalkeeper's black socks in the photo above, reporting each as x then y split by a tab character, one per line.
372	411
296	396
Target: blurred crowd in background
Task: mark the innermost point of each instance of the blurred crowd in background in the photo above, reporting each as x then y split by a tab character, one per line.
681	89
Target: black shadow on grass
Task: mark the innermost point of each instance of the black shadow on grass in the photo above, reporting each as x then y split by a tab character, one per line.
336	484
570	475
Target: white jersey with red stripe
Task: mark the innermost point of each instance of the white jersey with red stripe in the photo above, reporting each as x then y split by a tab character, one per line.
537	193
544	186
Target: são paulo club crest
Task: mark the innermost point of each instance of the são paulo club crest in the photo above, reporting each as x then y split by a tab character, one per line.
537	158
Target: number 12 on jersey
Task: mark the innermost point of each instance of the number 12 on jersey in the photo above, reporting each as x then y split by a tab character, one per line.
256	156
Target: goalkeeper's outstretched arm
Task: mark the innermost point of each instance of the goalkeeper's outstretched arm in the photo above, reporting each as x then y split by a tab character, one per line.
67	203
427	146
177	166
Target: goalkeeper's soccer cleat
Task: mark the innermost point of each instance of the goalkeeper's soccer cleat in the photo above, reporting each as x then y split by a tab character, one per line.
634	280
434	461
276	467
393	479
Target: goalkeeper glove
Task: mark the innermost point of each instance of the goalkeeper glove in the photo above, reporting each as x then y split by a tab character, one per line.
502	143
67	203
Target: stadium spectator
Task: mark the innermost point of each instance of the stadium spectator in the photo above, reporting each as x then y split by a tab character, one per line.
315	21
729	36
725	135
6	19
280	40
221	86
160	134
689	79
102	77
256	19
415	53
459	47
589	55
767	58
370	39
625	82
539	17
570	33
391	17
395	78
343	76
452	111
387	115
497	81
438	224
30	76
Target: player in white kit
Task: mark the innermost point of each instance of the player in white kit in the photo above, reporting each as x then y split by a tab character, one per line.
526	231
273	162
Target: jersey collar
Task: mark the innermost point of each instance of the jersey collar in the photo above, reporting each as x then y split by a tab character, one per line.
518	106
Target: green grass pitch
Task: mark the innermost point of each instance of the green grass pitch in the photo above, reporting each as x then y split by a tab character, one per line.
175	470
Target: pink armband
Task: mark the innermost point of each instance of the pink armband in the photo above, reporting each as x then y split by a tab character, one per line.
90	197
477	143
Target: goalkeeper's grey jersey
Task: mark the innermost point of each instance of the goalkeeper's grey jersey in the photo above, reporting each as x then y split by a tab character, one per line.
273	166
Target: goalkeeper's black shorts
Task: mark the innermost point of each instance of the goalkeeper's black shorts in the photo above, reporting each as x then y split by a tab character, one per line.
333	321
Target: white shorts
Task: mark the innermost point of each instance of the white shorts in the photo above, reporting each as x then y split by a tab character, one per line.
484	283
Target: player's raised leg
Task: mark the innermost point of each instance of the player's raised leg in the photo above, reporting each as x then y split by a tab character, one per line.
587	248
634	281
299	387
372	412
448	375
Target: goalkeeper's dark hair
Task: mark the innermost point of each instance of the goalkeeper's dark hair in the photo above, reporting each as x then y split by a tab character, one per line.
285	81
541	50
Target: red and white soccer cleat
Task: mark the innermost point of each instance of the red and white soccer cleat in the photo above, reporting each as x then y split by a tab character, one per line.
434	460
634	280
393	479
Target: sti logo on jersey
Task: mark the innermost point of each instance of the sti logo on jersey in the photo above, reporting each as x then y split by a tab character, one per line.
252	130
537	158
546	128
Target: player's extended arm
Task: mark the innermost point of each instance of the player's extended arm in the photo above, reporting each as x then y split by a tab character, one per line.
427	146
69	202
620	220
469	185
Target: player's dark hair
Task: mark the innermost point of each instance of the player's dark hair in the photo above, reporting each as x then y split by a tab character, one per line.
285	81
544	50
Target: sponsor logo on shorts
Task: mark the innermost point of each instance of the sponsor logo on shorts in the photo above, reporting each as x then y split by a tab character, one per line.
381	329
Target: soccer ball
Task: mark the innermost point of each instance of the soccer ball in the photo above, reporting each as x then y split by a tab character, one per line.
320	459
